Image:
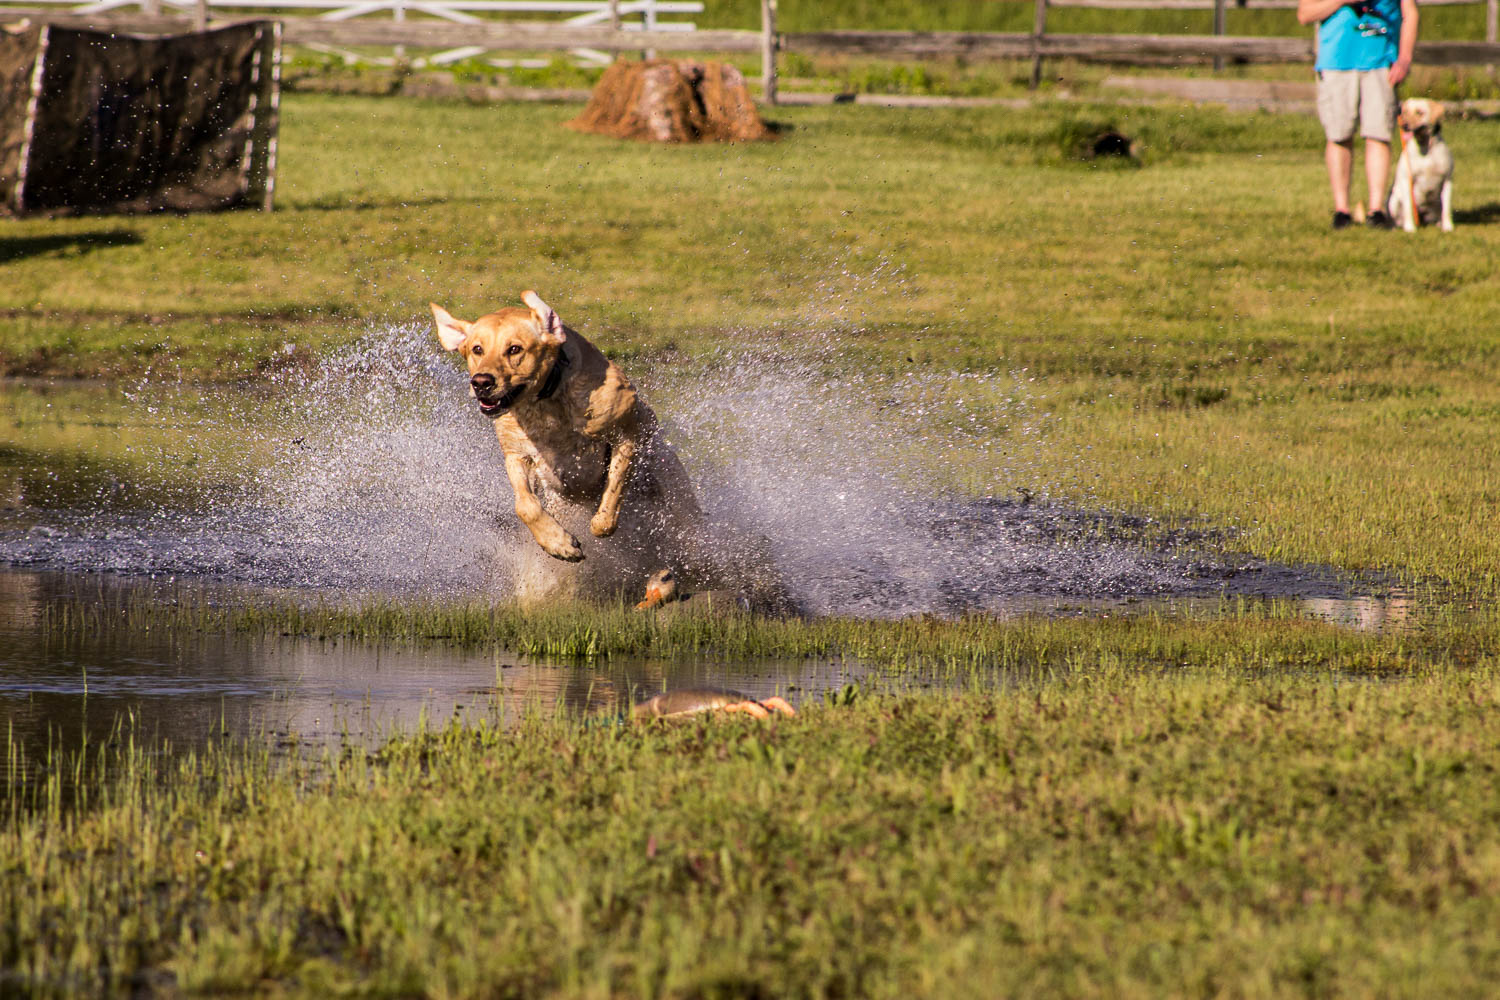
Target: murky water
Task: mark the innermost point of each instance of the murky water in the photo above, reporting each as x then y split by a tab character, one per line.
871	495
56	690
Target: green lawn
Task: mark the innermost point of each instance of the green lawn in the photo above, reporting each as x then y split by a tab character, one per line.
1118	833
1232	802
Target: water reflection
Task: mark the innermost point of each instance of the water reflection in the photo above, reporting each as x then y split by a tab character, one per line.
59	689
1365	614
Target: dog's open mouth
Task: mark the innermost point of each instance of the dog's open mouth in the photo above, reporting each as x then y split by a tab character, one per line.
493	406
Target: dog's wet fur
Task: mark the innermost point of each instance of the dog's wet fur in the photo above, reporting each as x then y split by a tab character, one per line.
574	430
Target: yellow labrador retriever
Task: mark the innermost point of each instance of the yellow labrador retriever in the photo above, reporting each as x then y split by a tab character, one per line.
571	425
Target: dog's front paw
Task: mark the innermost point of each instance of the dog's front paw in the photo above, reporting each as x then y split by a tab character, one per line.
563	546
603	525
1447	227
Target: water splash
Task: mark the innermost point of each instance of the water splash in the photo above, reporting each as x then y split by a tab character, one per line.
871	493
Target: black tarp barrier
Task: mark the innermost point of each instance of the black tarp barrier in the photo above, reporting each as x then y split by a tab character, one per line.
94	122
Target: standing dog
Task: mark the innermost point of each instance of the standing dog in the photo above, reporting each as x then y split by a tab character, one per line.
1423	189
570	424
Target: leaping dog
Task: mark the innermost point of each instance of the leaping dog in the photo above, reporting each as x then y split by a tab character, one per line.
570	424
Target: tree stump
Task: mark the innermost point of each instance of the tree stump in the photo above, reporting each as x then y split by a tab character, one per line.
667	100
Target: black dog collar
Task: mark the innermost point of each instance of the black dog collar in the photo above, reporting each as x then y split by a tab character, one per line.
555	376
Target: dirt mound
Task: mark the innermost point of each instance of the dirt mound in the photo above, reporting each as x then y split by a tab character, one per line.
666	100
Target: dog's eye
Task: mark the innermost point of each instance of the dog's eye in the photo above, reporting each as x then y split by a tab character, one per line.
513	350
477	350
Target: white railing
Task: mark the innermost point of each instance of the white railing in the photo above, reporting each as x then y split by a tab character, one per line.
624	15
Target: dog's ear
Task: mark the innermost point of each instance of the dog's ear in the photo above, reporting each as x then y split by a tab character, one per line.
1436	109
552	324
452	332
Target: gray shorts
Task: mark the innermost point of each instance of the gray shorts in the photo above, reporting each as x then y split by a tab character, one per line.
1362	96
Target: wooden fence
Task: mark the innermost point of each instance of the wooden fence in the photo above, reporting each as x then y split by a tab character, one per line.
433	24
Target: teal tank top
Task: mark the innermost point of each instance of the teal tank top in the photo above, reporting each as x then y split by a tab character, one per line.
1364	35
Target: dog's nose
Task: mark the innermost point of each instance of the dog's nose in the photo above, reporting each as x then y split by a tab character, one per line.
482	381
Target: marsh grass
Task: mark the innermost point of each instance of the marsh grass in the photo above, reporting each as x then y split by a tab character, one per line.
1121	831
1241	634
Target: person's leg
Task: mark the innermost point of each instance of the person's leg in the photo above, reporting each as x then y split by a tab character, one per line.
1338	111
1339	157
1377	121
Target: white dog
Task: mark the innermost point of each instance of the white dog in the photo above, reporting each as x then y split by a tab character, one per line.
1423	189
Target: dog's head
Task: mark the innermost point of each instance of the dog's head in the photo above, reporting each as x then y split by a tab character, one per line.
1421	117
509	352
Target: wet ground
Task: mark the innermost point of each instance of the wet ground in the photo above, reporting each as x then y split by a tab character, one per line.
380	479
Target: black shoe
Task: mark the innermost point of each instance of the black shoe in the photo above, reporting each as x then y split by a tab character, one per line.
1341	220
1379	220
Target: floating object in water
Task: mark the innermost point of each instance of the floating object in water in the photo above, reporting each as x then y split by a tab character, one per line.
691	701
661	588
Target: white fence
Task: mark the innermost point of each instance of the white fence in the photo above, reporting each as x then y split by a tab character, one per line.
619	15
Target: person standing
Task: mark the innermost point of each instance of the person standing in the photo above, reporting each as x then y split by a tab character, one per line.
1364	51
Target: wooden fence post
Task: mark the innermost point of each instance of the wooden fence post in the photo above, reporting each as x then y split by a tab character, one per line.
1219	26
614	23
768	50
200	15
1039	28
648	22
398	13
1491	26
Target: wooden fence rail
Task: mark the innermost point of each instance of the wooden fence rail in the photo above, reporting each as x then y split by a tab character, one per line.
1220	10
607	37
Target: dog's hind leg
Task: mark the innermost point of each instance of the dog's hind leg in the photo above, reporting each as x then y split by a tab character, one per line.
604	522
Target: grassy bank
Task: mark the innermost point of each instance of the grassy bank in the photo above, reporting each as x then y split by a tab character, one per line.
1119	834
1251	635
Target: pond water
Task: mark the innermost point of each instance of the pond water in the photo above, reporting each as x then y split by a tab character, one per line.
372	474
58	688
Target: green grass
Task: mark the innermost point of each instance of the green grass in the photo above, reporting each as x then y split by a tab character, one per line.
1253	635
1232	800
1117	833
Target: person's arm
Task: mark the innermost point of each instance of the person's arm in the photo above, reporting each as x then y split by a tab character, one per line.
1313	11
1402	65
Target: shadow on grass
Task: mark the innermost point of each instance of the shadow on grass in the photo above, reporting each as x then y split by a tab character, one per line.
20	247
340	203
1481	216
